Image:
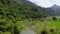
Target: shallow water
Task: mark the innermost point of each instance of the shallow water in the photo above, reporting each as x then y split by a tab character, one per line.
27	31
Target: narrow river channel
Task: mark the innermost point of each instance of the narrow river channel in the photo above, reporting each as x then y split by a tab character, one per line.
27	31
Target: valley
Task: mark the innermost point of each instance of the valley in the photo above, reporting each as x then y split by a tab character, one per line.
25	17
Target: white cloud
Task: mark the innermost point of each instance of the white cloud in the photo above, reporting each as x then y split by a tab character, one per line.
57	2
46	3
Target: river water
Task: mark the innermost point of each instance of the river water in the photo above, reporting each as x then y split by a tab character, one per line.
27	31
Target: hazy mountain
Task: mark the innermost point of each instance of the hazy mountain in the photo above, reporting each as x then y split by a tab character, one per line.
54	10
50	11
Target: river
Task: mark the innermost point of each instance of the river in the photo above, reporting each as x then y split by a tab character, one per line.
27	31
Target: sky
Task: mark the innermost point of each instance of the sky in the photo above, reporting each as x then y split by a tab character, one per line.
46	3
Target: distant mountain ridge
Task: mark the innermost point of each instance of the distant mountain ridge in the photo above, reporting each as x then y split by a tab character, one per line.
54	10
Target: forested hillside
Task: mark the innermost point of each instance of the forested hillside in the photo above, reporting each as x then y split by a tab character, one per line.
12	12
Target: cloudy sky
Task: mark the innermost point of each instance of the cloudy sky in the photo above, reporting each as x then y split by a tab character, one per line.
46	3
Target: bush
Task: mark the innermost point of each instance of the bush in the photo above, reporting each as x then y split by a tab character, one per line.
54	18
43	32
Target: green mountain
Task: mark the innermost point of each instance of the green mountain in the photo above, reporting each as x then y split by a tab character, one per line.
14	11
20	10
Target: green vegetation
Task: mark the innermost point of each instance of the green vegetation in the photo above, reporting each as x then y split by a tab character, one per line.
16	16
48	26
13	14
